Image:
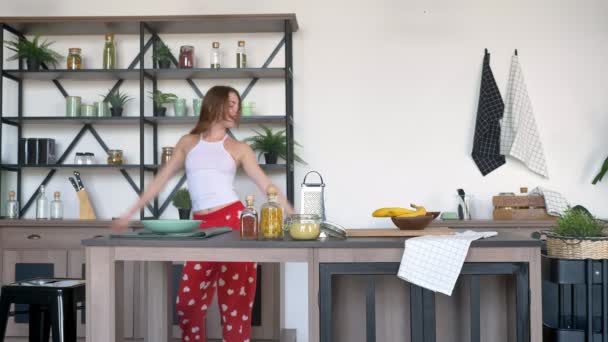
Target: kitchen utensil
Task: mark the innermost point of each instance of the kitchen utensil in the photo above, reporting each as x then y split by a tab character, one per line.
171	226
460	209
393	232
73	181
86	209
303	226
312	197
78	180
417	222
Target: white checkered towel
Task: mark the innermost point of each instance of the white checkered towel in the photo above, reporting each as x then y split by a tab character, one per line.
519	137
554	201
434	262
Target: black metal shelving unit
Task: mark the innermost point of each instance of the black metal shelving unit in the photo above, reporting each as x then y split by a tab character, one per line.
152	27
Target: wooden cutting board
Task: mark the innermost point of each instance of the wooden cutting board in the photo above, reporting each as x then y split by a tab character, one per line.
398	232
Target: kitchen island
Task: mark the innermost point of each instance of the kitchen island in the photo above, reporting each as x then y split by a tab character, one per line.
512	249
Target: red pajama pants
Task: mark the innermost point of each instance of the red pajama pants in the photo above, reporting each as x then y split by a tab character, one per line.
235	283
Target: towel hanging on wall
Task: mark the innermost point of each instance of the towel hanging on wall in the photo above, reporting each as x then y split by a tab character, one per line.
519	134
486	143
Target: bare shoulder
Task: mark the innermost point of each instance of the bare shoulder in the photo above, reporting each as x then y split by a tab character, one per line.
187	142
237	148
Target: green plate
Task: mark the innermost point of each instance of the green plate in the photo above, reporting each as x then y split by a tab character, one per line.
171	226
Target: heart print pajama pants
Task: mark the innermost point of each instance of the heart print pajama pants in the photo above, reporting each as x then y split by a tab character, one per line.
234	281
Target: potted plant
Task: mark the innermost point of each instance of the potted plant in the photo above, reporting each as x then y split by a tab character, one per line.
602	172
162	55
271	145
181	200
33	52
577	235
160	99
117	102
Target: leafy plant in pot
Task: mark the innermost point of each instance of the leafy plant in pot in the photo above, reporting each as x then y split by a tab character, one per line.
271	145
160	99
181	200
162	55
117	102
577	235
33	52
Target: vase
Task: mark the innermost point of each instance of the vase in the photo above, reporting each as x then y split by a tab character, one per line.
197	104
184	214
160	111
72	106
179	107
116	111
164	64
103	108
33	65
270	157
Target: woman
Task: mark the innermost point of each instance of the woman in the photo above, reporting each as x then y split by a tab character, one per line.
211	159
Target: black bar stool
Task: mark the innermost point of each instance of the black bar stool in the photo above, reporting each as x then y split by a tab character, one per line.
52	306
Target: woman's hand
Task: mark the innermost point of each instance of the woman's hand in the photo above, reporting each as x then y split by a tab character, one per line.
120	225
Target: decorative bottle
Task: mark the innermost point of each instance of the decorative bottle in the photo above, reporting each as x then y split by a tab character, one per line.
241	55
216	56
12	206
42	205
57	207
271	222
249	220
109	52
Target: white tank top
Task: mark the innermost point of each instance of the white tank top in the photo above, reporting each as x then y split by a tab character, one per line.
210	172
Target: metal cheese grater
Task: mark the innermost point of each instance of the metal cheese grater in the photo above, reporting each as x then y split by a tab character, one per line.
312	198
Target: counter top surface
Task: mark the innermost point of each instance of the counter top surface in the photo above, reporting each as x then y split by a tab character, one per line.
505	238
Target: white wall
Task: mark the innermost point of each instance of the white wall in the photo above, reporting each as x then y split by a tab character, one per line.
386	95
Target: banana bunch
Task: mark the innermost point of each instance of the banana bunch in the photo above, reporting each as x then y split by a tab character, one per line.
400	212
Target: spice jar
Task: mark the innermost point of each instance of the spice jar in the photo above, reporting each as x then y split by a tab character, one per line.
166	156
303	226
186	57
89	158
115	157
79	159
74	59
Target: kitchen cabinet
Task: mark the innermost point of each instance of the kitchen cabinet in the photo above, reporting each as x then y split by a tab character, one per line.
148	30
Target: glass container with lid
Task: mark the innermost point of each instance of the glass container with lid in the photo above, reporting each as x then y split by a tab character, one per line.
166	156
115	157
303	226
186	56
74	60
271	220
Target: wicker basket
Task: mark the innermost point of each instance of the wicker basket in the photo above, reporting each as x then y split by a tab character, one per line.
576	248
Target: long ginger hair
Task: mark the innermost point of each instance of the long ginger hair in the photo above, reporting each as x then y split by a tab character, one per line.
213	107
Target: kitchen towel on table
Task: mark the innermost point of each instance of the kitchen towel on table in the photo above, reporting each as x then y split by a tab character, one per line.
555	202
486	142
434	262
519	137
197	234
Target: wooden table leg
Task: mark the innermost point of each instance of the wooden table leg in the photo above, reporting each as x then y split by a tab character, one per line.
536	318
313	297
104	295
158	305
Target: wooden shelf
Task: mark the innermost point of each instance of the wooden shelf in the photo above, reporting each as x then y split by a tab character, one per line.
183	24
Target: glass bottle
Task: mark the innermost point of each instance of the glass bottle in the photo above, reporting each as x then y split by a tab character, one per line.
57	207
215	56
241	55
249	220
166	155
109	52
42	205
74	60
12	206
186	57
271	223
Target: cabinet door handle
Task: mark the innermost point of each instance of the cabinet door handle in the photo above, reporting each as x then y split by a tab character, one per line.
97	236
33	237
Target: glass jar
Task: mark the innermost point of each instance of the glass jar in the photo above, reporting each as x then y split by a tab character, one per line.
42	205
216	56
166	156
271	216
115	157
186	57
56	207
12	206
79	158
241	55
303	226
74	59
89	158
109	52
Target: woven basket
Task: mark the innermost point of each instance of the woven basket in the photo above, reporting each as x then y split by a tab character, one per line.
576	248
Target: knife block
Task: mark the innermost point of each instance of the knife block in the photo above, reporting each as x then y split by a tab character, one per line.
520	208
86	210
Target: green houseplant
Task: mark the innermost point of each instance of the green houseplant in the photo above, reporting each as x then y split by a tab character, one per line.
117	101
160	99
271	145
602	172
162	55
181	200
577	235
34	52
